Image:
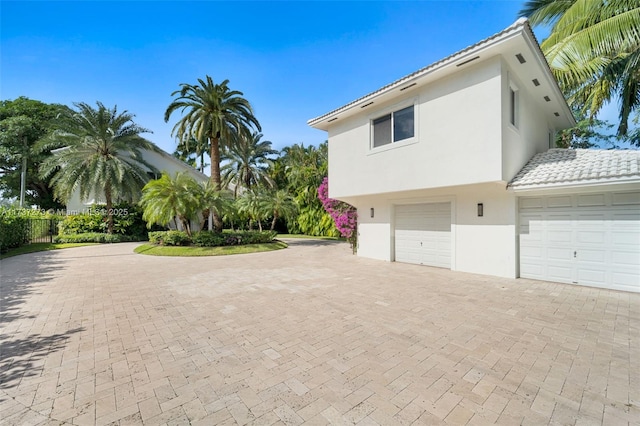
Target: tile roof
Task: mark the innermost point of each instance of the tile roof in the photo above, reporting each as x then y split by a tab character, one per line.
518	25
561	167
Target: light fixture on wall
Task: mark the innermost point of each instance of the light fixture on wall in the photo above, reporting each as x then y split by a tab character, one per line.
480	209
372	212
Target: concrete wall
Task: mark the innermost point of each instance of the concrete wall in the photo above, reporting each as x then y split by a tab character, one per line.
483	245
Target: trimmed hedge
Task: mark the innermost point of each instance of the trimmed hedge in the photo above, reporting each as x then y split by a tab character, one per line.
169	238
14	231
211	239
94	237
127	220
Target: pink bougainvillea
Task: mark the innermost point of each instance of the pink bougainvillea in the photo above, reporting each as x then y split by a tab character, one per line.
344	215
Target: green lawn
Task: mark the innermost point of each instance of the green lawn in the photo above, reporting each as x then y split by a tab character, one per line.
155	250
35	247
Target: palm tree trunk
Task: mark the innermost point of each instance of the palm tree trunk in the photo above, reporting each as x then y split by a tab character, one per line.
273	222
107	196
215	174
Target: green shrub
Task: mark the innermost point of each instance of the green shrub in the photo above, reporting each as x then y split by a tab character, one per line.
232	238
127	220
208	239
169	238
14	230
94	237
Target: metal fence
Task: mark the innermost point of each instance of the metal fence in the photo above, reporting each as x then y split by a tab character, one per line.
42	230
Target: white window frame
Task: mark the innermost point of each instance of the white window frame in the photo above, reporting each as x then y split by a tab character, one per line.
390	110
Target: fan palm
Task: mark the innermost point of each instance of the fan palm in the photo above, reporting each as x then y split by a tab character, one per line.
247	162
593	50
171	199
102	154
215	112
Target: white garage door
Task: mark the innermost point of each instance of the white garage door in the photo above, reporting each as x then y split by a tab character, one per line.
423	234
588	239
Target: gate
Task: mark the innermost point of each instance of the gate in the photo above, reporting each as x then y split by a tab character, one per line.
42	230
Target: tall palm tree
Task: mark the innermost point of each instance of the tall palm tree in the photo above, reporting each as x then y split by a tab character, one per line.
247	162
215	112
171	199
593	50
102	155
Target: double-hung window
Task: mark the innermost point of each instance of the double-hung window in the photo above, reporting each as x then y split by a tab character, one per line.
394	127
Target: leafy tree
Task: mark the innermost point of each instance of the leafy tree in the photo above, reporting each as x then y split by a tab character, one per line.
586	133
171	199
278	204
102	155
23	122
305	168
247	161
215	112
593	50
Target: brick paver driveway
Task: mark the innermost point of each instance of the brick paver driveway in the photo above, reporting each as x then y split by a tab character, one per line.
307	335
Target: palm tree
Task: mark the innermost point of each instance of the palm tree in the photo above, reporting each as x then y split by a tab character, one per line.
593	50
190	146
102	155
213	201
247	162
279	204
171	199
249	203
215	112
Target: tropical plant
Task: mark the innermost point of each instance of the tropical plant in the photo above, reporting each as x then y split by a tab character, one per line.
102	155
247	162
23	122
171	199
215	112
344	215
278	204
191	151
304	169
212	200
249	203
593	50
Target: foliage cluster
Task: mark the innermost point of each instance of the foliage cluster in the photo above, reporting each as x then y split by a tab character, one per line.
211	238
94	237
14	230
344	215
127	220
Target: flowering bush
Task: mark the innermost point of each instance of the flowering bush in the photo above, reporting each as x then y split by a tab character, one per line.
344	215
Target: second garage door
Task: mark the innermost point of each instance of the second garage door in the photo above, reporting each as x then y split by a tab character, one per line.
423	234
590	239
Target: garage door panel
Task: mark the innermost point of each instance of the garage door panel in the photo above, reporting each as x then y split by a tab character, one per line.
602	229
423	234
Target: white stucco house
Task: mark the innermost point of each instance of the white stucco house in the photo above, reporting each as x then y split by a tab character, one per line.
454	166
161	160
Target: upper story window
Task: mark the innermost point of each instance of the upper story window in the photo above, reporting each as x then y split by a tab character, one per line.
513	106
394	127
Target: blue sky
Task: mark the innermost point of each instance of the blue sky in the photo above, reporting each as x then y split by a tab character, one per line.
293	60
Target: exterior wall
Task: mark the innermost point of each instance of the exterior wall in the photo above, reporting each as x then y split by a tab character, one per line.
457	141
483	245
162	161
531	136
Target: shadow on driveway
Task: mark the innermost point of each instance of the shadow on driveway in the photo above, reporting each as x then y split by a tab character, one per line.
308	242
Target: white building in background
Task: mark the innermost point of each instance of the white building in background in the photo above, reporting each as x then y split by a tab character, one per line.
444	165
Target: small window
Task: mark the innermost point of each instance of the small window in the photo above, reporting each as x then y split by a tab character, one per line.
394	127
513	106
